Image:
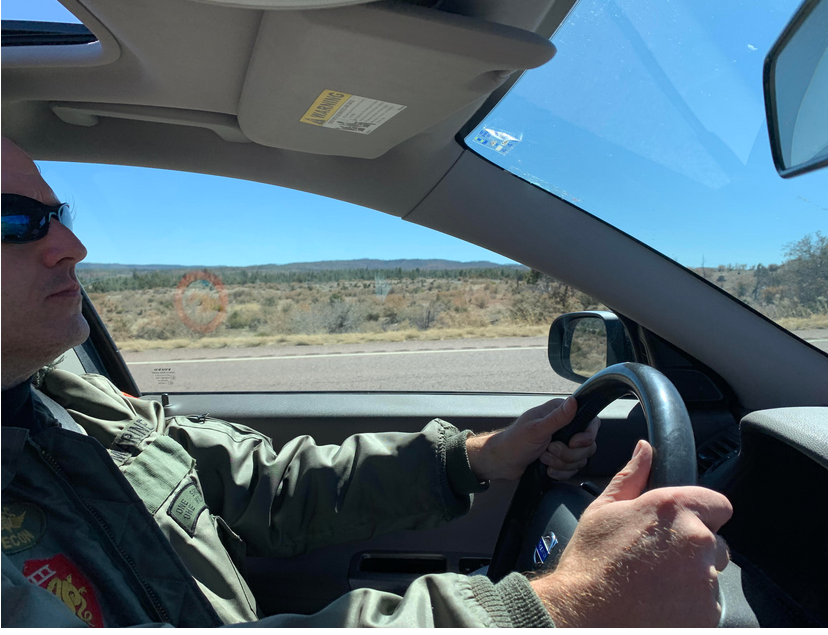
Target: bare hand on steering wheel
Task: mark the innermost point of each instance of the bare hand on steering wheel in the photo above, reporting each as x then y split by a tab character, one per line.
641	559
506	453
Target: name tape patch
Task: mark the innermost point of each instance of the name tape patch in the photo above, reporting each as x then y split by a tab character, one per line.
125	443
186	507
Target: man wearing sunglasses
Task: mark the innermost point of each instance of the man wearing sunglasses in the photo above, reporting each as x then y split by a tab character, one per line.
41	315
91	536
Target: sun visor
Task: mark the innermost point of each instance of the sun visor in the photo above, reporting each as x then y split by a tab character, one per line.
285	4
357	81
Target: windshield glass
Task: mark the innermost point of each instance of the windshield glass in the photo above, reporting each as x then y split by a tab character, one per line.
651	117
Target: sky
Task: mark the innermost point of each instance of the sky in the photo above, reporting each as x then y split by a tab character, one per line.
230	222
43	10
651	117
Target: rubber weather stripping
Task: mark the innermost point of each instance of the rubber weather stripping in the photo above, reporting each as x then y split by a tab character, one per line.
27	33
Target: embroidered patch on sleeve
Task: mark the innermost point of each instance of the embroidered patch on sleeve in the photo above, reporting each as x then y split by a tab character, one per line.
23	525
125	444
186	507
59	576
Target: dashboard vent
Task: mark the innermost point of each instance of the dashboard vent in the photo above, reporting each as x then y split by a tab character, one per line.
719	449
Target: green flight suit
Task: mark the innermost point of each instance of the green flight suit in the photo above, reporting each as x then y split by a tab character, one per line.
219	491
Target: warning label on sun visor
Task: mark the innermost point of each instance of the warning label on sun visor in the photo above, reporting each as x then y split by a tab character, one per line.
350	113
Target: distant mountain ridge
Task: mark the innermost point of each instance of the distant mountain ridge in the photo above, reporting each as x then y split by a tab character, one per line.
406	264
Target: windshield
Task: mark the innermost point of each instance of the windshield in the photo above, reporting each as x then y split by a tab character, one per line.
651	117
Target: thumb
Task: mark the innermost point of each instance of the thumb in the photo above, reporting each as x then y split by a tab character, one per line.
631	481
541	429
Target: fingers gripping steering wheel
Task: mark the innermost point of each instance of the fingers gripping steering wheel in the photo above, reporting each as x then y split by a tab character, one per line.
670	433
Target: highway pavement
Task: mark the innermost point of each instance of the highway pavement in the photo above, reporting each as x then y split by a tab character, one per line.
475	365
487	365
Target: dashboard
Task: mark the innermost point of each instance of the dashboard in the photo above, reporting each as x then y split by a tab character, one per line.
778	535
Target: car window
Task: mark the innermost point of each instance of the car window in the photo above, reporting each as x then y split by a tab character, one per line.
211	284
38	11
70	362
651	117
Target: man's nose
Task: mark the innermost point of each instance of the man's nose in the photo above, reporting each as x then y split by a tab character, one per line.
61	244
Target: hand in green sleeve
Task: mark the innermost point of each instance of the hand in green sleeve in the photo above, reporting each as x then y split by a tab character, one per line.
505	454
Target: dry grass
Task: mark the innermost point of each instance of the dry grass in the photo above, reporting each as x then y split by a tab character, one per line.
815	321
514	330
352	312
490	332
343	312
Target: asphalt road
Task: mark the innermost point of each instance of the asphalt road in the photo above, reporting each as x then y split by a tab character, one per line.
501	365
485	365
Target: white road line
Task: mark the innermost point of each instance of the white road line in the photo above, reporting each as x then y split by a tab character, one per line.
262	359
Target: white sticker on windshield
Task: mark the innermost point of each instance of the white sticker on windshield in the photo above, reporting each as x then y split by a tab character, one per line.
498	140
350	113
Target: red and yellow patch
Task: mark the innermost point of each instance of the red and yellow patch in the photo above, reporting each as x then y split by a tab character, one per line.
59	576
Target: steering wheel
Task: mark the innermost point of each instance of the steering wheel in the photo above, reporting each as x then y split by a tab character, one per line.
674	461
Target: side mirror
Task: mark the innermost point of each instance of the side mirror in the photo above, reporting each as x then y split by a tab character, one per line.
796	92
584	343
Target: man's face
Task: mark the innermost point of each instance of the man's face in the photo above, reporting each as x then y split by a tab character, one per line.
41	300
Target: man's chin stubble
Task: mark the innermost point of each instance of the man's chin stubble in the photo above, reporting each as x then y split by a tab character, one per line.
21	363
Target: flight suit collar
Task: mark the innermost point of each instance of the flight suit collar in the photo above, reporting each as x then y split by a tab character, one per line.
13	440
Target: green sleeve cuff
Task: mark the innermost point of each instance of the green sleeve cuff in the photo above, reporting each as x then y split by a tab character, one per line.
460	476
512	603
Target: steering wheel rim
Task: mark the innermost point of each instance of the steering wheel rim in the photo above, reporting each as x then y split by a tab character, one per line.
670	433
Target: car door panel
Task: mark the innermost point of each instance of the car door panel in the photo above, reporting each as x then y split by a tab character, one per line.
308	582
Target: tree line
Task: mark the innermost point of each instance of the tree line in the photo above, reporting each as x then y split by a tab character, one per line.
104	281
799	283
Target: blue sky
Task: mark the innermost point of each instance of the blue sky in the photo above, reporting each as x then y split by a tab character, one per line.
650	119
221	221
44	10
651	116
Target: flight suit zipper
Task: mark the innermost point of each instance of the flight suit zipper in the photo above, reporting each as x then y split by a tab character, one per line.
160	613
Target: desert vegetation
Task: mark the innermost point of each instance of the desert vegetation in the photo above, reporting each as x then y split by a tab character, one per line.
793	293
274	305
328	306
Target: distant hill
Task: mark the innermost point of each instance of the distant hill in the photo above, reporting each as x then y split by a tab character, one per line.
409	264
113	266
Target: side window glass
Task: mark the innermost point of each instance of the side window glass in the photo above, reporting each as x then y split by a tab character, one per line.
70	362
212	285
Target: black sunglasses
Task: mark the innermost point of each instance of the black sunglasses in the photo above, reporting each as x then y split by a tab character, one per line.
26	220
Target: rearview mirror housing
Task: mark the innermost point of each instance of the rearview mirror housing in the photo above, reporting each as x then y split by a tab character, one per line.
584	343
796	92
